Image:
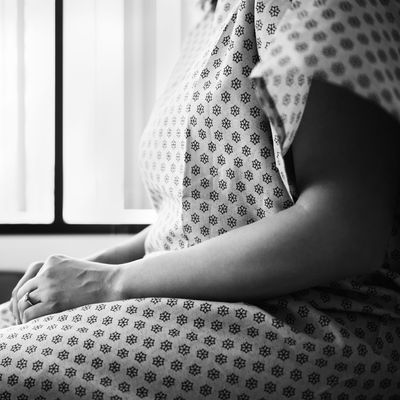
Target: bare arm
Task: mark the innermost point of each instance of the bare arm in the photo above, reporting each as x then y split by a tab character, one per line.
130	250
347	173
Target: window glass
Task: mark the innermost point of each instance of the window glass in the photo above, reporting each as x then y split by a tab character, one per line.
118	55
27	82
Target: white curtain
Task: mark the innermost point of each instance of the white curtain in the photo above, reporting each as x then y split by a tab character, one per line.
118	55
27	111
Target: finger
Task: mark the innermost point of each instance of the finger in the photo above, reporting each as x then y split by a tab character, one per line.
31	272
27	287
35	311
23	305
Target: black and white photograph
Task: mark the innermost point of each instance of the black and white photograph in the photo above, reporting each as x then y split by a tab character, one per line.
200	199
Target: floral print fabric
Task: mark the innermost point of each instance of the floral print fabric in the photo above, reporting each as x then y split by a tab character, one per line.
355	45
213	157
184	349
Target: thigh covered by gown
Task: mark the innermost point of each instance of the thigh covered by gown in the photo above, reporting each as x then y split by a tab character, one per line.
320	343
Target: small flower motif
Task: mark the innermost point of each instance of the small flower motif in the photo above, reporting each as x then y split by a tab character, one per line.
53	368
199	323
324	320
274	11
260	6
213	374
47	351
123	322
278	192
239	363
97	363
202	354
302	358
237	57
221	359
283	354
148	313
246	347
168	381
332	380
87	376
63	355
187	386
114	336
328	351
140	357
244	124
248	175
277	371
271	29
347	351
166	345
225	97
142	392
106	381
131	339
321	362
124	387
313	378
131	310
277	323
265	351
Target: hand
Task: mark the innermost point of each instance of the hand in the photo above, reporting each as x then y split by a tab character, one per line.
30	273
63	283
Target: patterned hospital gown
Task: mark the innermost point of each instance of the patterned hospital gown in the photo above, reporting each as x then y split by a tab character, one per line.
214	156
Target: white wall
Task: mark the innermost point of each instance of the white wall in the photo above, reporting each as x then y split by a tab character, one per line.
18	251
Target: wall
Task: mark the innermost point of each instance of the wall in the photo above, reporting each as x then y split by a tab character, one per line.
18	251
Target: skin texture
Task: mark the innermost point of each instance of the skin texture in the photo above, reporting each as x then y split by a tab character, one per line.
347	183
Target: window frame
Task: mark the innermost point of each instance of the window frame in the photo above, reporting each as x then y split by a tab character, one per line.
59	226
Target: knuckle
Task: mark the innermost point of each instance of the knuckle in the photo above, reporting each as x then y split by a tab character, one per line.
54	261
56	257
31	269
33	264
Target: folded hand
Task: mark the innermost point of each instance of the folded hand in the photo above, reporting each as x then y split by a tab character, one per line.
63	283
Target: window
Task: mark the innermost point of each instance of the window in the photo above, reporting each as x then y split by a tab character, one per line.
27	103
78	79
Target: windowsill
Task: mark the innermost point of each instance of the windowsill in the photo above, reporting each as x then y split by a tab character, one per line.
18	251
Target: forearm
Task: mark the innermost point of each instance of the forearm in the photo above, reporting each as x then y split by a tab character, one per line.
288	251
122	253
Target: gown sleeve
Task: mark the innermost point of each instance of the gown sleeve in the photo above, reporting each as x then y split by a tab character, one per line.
354	44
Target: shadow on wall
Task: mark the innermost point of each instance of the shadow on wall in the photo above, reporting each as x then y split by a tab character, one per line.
8	280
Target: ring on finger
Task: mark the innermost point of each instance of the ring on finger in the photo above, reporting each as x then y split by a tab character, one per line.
27	299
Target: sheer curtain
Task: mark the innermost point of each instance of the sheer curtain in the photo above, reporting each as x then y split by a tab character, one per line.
118	55
26	111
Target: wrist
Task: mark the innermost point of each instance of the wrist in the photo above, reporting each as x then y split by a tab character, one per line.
112	283
120	284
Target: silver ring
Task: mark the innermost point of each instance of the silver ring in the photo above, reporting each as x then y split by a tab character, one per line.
27	299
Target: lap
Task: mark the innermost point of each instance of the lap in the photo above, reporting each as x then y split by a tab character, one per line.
6	317
165	348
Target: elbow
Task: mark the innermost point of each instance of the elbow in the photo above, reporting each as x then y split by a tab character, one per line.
347	245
